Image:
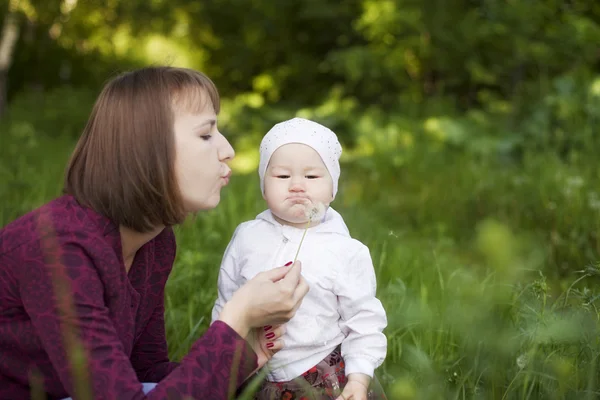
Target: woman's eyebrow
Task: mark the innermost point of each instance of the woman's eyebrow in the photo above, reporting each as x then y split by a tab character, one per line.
210	122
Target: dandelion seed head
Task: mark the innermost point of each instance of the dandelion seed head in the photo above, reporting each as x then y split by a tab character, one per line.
575	181
315	211
522	361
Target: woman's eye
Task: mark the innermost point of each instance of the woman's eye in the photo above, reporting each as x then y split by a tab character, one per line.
206	137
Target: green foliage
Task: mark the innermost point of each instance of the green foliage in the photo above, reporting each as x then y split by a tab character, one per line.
62	111
392	53
473	308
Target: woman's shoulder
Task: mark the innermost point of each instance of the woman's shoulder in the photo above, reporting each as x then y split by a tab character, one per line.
165	247
63	217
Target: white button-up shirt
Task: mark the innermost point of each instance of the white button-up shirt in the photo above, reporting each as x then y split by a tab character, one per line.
340	307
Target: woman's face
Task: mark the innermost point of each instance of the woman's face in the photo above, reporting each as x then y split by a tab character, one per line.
201	157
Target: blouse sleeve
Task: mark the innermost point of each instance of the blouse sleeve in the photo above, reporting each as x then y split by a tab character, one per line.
363	317
150	357
64	296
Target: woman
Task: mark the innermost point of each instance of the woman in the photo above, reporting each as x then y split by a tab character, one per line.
82	278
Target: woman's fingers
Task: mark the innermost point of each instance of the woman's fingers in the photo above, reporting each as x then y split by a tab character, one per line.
272	338
290	281
275	346
298	296
274	332
292	287
294	298
276	274
301	290
271	297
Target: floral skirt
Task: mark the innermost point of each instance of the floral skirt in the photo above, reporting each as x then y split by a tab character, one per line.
324	381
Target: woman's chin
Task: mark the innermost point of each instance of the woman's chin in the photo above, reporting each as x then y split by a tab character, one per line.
204	204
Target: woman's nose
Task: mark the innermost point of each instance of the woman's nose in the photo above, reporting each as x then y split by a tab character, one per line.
226	152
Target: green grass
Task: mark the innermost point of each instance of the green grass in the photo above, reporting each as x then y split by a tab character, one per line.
467	253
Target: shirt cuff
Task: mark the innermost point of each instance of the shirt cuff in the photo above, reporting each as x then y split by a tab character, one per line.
359	365
244	360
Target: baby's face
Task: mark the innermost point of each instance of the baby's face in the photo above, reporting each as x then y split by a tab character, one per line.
296	178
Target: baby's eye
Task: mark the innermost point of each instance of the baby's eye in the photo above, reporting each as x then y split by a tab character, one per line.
206	137
283	176
311	176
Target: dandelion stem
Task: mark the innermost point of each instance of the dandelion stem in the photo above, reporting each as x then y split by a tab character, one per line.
302	240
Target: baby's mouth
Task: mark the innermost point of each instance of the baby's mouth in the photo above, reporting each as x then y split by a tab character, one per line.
299	200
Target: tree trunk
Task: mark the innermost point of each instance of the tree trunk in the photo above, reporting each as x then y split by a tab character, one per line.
8	39
3	92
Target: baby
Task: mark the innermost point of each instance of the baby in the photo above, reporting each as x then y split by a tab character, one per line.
335	340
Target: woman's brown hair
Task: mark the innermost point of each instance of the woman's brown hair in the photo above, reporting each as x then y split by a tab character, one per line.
123	163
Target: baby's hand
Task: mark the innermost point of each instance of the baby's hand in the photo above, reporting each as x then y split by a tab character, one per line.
266	342
356	388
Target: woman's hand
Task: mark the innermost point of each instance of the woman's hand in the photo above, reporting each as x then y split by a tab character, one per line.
266	341
270	298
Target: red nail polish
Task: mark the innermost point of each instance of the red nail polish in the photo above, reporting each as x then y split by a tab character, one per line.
269	345
270	335
268	328
288	264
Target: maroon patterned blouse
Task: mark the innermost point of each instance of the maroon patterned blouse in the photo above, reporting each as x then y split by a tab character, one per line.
63	287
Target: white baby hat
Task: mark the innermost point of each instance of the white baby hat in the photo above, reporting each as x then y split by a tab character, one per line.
310	133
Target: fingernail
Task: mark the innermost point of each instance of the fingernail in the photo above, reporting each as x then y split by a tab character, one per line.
268	328
269	345
270	335
288	264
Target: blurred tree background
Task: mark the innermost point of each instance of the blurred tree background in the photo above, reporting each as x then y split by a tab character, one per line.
408	84
452	113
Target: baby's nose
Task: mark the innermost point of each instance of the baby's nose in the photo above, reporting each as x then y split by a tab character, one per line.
296	187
